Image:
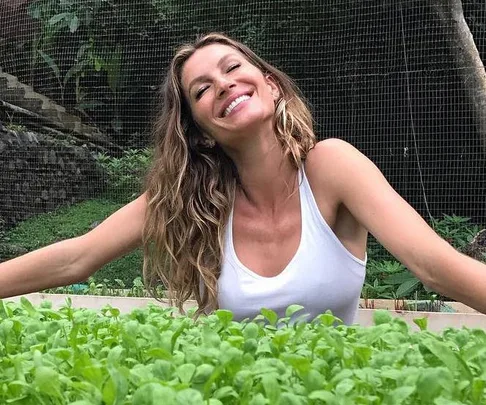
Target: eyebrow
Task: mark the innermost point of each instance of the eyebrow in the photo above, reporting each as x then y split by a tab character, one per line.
203	78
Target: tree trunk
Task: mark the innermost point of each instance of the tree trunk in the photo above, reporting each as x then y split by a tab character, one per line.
470	68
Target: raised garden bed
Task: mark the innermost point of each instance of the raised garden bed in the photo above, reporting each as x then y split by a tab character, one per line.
150	357
437	321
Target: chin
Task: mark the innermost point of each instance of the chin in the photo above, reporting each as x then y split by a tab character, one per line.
252	120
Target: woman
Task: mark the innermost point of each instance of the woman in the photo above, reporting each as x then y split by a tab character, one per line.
243	209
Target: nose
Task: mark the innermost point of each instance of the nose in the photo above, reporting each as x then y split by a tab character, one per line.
223	86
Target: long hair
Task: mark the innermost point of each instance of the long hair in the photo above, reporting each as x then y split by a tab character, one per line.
191	185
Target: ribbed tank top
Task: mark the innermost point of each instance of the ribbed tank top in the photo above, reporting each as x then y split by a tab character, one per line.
322	275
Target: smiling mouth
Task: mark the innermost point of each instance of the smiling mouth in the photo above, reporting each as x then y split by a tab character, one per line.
235	103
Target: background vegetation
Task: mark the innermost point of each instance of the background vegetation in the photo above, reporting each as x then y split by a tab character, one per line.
378	74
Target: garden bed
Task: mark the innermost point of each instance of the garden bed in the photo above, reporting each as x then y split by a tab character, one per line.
437	321
148	357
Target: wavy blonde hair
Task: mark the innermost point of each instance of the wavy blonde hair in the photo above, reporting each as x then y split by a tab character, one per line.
191	185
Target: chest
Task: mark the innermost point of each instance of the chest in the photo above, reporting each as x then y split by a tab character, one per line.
267	244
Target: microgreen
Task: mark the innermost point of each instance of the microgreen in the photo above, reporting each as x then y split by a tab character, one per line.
150	356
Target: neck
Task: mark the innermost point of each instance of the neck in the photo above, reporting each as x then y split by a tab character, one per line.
267	176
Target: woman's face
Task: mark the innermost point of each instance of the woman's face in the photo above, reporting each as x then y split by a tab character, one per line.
228	96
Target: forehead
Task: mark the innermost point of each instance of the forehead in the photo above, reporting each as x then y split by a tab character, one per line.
205	59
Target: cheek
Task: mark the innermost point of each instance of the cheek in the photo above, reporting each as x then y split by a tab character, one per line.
268	101
201	121
200	112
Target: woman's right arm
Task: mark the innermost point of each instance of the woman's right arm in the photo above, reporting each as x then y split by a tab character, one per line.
74	260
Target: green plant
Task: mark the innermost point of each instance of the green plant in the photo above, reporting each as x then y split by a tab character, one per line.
79	41
150	356
125	174
107	288
387	278
458	231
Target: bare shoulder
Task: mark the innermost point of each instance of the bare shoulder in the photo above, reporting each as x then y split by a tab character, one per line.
331	152
331	163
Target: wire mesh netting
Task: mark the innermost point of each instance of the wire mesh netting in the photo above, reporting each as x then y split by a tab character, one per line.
399	80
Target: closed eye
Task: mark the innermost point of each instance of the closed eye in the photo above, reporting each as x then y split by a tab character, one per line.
200	92
233	67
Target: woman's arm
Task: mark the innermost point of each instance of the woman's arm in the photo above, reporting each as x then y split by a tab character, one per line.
74	260
362	188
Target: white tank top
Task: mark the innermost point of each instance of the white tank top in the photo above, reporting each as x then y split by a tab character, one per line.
322	275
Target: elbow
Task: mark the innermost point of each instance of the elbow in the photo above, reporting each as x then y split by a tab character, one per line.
77	266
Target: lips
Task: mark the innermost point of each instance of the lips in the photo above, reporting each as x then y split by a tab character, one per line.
231	99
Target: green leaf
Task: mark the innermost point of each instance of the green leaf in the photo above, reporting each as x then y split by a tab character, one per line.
325	396
226	392
258	399
34	10
271	387
345	386
407	287
189	396
224	316
116	388
445	401
51	63
432	382
251	330
203	373
399	278
477	390
382	316
270	316
115	355
152	393
26	304
210	337
328	319
399	395
59	17
292	309
421	323
4	311
442	352
47	382
185	372
74	24
113	67
288	398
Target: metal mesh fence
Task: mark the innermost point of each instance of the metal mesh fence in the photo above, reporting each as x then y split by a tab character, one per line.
399	80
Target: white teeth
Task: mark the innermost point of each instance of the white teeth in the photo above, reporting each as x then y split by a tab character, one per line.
234	104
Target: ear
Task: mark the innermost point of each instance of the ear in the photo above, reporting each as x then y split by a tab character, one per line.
273	86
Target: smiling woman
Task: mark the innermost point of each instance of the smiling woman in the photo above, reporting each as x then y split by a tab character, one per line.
244	210
220	102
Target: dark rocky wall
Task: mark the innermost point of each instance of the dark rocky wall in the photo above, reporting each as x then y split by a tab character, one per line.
39	174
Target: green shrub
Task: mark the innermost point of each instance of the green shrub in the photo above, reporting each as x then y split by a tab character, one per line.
386	278
125	174
458	231
69	222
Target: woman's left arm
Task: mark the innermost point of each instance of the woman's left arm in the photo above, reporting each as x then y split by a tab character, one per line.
364	191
